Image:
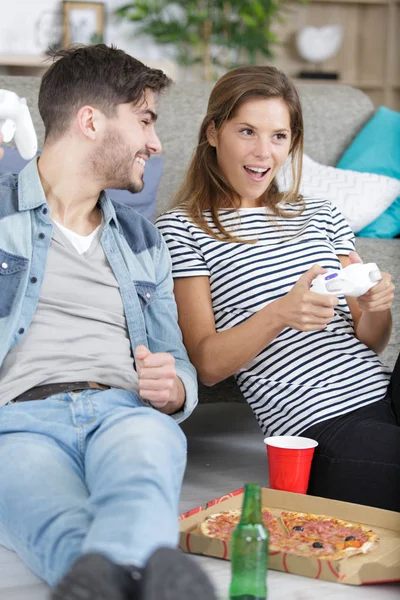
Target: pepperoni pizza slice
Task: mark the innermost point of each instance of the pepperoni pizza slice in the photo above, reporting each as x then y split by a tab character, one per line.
221	525
321	535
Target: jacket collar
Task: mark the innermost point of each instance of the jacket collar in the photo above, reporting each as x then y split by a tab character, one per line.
31	194
30	191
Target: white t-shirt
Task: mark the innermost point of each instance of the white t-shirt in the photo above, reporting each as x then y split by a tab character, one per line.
300	378
81	243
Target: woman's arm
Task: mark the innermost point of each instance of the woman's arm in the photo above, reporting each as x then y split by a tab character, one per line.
371	312
217	355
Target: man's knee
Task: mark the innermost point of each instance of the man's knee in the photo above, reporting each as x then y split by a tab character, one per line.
161	432
147	431
164	424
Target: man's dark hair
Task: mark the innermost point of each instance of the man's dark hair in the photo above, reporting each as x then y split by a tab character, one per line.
99	75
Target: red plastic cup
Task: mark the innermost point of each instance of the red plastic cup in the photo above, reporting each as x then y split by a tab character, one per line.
289	462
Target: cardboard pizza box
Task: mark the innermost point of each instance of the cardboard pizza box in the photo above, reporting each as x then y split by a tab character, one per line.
380	565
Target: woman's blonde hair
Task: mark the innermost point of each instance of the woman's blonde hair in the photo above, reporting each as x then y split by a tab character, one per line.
205	186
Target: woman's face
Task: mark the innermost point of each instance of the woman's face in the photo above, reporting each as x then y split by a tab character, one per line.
252	146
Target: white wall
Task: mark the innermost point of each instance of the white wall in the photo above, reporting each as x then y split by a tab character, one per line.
17	24
19	20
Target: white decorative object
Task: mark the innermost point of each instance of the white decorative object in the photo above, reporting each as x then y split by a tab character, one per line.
317	44
48	30
16	122
360	197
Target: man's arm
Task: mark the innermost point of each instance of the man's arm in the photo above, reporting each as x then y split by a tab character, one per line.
173	376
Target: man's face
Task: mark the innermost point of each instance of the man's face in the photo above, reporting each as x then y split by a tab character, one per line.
128	142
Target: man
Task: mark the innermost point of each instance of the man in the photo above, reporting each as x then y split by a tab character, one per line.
93	373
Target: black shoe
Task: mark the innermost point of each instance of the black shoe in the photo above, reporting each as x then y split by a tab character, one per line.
171	575
95	577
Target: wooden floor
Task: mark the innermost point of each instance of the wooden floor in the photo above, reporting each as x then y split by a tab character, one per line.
225	451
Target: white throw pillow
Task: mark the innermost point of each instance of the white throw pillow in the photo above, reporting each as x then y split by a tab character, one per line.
360	197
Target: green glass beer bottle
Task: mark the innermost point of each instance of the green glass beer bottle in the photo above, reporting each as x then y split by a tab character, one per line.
249	550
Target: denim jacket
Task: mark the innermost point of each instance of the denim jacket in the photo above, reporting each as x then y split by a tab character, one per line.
134	248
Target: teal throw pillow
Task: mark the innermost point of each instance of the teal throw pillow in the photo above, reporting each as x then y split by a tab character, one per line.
376	149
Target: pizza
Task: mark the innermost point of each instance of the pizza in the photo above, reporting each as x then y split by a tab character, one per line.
221	525
335	537
275	530
304	534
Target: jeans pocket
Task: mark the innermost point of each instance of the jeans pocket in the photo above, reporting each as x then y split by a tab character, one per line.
12	268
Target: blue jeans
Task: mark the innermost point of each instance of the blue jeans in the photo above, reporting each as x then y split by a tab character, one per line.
90	471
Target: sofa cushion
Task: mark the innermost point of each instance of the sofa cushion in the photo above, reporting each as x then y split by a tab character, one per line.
376	149
387	225
333	115
12	162
360	197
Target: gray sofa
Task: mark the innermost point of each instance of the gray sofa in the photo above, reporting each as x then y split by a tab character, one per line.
333	115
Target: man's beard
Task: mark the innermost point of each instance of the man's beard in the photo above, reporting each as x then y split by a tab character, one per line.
113	163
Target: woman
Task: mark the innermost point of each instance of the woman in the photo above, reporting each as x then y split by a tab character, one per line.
244	257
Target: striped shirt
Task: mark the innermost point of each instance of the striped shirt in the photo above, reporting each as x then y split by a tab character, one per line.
300	378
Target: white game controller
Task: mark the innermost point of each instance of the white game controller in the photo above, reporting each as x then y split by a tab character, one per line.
15	119
354	280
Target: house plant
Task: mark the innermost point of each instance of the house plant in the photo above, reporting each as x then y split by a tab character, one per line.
216	34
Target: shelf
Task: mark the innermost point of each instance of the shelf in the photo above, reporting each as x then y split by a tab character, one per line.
353	1
367	85
24	60
42	61
363	85
369	53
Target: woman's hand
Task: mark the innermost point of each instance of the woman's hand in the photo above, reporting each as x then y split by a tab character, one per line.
371	311
378	298
304	310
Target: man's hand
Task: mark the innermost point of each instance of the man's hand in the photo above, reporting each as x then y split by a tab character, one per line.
158	381
1	149
378	298
304	310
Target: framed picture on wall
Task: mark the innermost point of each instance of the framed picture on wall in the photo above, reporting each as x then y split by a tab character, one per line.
83	22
